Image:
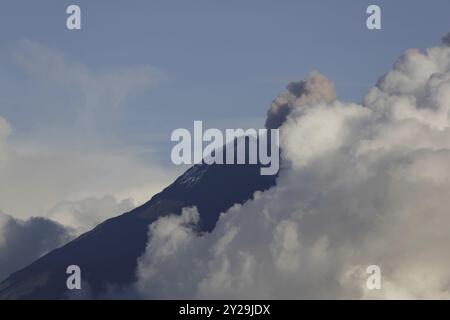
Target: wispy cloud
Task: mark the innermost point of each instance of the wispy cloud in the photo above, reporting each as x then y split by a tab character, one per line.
70	153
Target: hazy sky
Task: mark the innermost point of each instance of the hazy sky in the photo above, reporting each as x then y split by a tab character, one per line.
139	69
224	60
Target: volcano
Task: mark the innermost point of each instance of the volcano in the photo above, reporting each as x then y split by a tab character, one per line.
108	254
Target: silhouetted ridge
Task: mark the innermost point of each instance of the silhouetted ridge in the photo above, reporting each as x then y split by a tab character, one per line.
108	254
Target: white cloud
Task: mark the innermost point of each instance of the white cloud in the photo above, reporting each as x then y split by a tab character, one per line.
35	179
66	158
85	214
362	185
61	177
169	238
89	96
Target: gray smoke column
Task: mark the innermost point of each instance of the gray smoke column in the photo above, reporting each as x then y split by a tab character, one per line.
316	88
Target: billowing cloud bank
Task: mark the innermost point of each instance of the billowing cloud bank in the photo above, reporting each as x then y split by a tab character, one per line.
362	185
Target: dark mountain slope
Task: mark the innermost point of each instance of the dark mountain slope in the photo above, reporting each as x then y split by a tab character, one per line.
108	254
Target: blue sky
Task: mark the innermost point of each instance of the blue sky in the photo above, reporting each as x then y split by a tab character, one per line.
226	60
222	62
